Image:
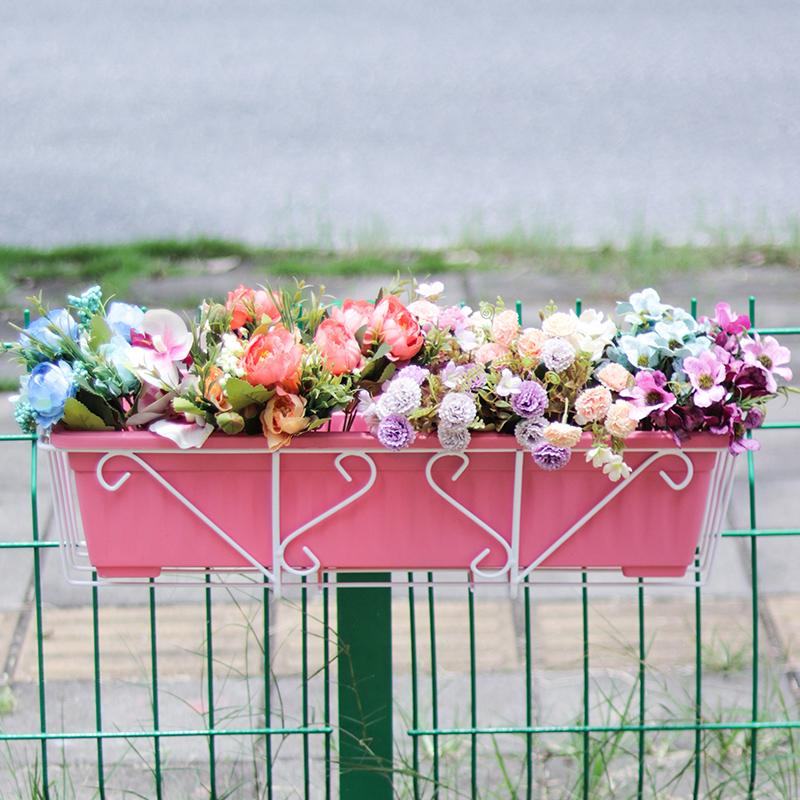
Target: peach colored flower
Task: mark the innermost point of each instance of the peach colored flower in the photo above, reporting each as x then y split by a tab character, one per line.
353	314
530	343
593	404
282	418
427	313
490	352
246	305
615	376
618	420
338	347
273	359
505	327
394	324
560	324
213	391
560	434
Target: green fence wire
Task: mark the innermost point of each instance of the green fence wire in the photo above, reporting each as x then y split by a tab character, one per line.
630	743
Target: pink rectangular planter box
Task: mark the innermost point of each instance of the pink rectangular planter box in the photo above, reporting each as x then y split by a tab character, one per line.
501	514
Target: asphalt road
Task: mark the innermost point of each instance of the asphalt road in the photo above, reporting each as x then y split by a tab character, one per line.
348	121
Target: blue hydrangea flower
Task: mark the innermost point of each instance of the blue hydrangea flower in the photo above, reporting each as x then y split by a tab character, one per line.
121	317
47	389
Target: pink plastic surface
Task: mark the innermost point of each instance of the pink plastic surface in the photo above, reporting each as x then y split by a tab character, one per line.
400	523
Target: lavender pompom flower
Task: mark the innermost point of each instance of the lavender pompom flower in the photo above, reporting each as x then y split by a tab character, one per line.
395	432
453	439
457	409
531	401
416	373
558	354
402	397
550	457
530	432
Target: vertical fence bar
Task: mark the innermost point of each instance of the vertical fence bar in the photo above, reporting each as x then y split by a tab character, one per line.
212	750
154	673
412	623
267	691
698	683
304	675
364	627
528	691
642	657
473	692
326	673
98	705
434	688
37	582
586	704
754	593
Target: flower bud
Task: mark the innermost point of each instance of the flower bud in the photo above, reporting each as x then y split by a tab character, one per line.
230	422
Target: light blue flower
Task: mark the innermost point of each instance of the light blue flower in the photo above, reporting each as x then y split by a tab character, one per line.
47	389
117	353
50	330
643	308
640	352
121	317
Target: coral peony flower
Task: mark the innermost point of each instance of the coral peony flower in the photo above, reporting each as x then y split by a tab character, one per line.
338	347
505	327
618	421
490	352
353	314
393	323
593	404
614	376
273	359
282	418
246	305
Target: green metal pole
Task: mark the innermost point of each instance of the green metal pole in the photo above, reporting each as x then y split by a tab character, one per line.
364	628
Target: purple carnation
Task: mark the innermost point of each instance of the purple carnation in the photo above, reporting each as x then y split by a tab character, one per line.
453	439
531	401
550	457
395	432
529	432
558	354
457	409
416	373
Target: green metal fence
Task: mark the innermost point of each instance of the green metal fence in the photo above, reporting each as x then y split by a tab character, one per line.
347	718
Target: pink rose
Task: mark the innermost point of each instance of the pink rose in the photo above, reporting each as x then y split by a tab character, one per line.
273	359
246	305
593	404
353	314
282	418
505	327
394	324
614	376
490	352
338	347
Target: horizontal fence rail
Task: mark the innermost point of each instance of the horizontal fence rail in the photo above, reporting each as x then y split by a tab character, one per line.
226	693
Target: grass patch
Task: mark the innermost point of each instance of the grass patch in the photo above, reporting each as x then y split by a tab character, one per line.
118	266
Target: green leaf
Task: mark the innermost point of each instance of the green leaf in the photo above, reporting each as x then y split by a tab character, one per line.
99	407
100	333
79	418
242	394
184	406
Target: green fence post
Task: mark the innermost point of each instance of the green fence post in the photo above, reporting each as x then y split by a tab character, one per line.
364	629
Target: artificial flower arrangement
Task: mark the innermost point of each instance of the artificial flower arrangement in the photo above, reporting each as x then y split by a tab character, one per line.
279	364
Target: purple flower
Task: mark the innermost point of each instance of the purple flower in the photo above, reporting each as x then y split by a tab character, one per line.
47	389
706	374
453	439
529	432
457	409
558	354
729	323
531	401
767	355
550	457
416	373
648	394
395	432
